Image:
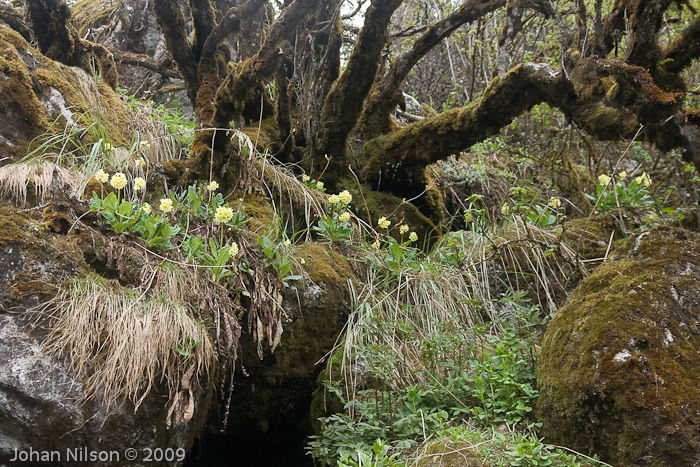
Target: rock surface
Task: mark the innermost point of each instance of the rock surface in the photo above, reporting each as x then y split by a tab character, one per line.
41	403
619	368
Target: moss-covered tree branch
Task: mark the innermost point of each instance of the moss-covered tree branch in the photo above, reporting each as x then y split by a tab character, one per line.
14	18
375	118
58	40
246	77
203	22
342	106
396	159
680	54
173	26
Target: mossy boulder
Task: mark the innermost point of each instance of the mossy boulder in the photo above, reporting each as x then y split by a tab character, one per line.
36	91
448	453
42	403
619	368
273	395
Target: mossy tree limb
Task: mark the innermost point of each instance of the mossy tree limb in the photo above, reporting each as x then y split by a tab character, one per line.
246	77
609	112
203	22
59	41
375	118
343	104
173	26
395	158
644	24
15	20
681	52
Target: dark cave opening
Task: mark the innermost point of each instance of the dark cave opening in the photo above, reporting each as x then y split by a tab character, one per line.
246	444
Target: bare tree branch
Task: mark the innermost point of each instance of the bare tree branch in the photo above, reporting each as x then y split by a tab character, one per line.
164	68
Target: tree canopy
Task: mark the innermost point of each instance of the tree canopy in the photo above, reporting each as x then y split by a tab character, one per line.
330	83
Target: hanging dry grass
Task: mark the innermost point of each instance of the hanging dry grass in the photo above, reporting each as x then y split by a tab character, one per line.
15	180
122	344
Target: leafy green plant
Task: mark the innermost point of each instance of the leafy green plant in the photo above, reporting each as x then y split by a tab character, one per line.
542	216
378	457
194	248
277	256
157	232
486	376
217	259
188	346
333	229
119	217
610	195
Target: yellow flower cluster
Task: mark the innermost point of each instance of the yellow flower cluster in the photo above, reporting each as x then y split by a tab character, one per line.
146	208
603	180
554	203
403	229
287	243
139	184
334	199
384	223
143	145
622	175
118	180
643	180
413	237
305	178
345	196
375	245
505	209
101	176
108	146
213	186
139	162
166	204
223	215
344	217
319	185
234	249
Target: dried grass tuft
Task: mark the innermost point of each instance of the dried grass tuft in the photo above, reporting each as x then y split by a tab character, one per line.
16	178
121	344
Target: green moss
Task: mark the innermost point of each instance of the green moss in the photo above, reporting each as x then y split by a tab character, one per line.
91	14
448	453
26	87
618	372
382	204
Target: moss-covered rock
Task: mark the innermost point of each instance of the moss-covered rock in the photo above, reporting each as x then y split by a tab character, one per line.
37	91
619	371
277	389
42	402
448	453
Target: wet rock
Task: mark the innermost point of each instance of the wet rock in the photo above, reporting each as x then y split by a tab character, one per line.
619	371
41	410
